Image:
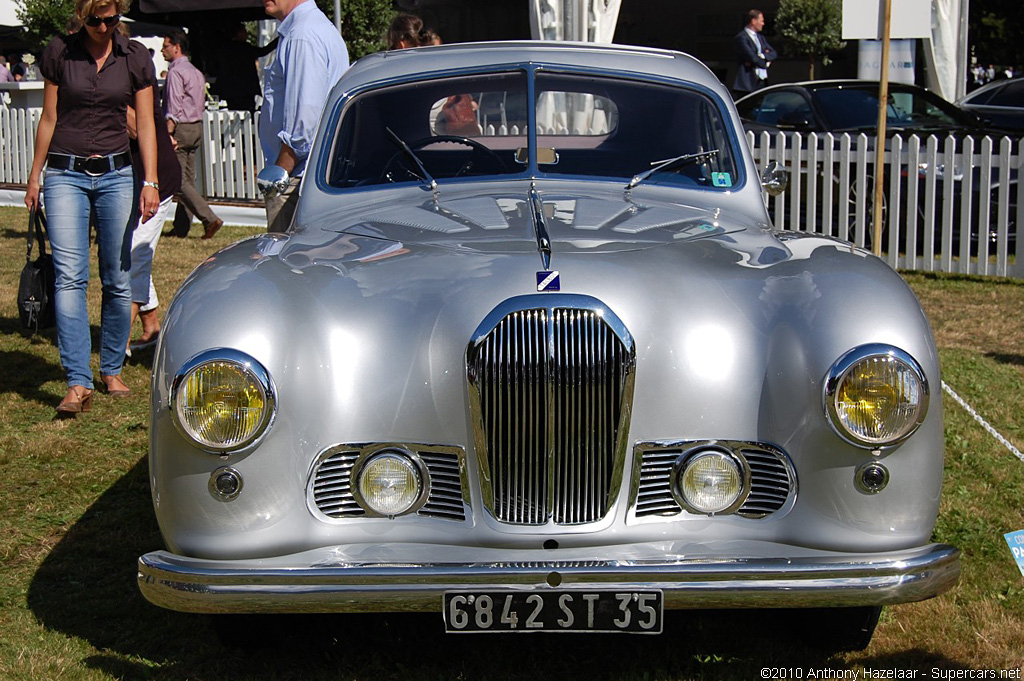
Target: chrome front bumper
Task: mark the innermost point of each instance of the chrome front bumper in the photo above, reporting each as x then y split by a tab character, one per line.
327	581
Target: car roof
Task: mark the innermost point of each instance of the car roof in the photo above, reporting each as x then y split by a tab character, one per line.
640	61
988	87
843	82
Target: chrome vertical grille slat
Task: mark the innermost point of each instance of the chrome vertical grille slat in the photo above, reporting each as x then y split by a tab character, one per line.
551	390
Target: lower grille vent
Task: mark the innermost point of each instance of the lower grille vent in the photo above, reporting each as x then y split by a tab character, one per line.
330	488
772	480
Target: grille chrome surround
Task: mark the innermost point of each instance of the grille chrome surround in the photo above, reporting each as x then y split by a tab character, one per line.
772	479
329	493
551	386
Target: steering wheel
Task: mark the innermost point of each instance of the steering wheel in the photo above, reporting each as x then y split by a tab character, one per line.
400	161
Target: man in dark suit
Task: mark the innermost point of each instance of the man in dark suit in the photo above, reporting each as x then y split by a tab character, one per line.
753	54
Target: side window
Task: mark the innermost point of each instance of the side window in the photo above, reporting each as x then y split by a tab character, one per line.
784	108
1010	95
983	98
748	108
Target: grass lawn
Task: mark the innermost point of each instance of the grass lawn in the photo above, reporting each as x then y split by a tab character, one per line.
75	514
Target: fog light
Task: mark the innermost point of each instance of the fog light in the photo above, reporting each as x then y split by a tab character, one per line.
872	478
710	482
389	484
225	483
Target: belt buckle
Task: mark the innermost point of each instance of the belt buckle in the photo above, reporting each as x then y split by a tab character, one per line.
90	162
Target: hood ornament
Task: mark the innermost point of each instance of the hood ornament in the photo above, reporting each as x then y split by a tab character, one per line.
540	229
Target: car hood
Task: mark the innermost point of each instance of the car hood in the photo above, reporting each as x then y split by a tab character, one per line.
499	217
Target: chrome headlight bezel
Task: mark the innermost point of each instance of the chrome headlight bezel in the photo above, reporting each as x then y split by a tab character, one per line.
248	366
688	457
408	458
842	369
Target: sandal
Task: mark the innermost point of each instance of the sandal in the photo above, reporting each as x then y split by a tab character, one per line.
77	400
115	387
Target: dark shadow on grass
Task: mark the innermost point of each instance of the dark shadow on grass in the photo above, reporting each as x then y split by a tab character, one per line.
26	374
86	588
1003	358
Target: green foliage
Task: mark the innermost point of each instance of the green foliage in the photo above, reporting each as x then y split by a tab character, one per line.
812	28
44	19
364	24
996	31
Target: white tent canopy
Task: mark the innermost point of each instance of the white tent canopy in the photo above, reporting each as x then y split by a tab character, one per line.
946	50
591	21
7	13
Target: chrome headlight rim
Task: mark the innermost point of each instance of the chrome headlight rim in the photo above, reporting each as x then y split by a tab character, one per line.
684	459
409	457
842	368
247	364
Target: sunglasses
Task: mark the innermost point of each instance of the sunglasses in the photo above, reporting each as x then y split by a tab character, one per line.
109	22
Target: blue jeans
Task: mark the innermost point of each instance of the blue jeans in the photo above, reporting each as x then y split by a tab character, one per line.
69	197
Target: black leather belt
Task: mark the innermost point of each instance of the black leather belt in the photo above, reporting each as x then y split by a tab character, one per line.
90	165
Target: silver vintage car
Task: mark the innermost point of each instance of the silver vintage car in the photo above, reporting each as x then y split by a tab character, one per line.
533	357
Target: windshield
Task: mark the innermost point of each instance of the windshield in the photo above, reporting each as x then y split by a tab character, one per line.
850	108
476	126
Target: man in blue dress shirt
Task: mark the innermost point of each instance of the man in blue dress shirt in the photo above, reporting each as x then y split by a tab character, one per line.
311	56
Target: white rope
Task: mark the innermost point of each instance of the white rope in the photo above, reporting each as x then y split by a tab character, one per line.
984	424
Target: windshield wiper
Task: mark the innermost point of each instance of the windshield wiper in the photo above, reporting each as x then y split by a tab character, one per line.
430	181
660	165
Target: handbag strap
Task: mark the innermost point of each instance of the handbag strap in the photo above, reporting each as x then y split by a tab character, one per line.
37	231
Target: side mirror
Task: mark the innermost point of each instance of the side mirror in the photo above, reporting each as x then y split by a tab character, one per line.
774	178
272	180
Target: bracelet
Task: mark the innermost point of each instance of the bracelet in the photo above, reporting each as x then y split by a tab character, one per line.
154	185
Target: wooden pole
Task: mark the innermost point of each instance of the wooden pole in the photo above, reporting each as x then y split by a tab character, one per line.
883	101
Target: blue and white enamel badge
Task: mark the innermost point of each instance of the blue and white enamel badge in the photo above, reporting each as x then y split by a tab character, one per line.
548	281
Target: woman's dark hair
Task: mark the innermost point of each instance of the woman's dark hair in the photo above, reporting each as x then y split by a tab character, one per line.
407	30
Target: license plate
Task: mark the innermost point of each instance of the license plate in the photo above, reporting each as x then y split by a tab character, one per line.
635	612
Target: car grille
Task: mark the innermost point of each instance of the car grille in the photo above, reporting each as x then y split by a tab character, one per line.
772	480
550	389
330	487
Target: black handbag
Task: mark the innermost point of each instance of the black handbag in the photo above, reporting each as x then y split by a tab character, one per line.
36	304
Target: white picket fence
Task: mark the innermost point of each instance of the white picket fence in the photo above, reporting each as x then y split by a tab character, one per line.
932	217
231	156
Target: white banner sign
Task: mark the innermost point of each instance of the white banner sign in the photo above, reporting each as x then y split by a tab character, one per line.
901	60
862	19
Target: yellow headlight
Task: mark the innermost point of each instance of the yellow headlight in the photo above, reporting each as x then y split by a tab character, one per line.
876	397
222	403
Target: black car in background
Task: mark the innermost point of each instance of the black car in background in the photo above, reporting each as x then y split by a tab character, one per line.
851	106
839	106
1000	104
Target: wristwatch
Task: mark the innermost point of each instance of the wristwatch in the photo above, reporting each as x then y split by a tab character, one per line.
154	185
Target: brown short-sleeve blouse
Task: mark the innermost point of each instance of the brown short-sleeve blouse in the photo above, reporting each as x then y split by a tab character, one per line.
91	106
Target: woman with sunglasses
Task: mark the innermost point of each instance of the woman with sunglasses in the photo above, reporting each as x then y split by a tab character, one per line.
91	78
